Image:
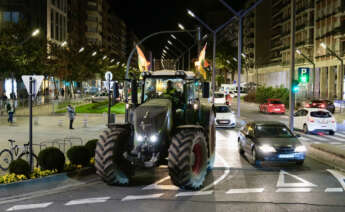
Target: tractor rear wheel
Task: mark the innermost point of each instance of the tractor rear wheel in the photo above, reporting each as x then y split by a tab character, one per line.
187	159
110	163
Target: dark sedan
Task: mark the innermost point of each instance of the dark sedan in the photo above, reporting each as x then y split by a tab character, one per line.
270	141
323	104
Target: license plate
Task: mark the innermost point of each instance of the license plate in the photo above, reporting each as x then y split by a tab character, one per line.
286	156
276	109
224	122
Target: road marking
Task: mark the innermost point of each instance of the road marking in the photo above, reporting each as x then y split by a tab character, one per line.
294	190
334	190
340	135
316	142
29	206
245	190
304	139
225	174
335	143
195	193
334	138
156	186
281	181
87	201
139	197
339	176
315	137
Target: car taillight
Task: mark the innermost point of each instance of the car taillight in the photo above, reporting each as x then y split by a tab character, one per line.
333	121
323	105
310	119
307	105
270	105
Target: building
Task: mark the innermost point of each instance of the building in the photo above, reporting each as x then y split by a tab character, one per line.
94	21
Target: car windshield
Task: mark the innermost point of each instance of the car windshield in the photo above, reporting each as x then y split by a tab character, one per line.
276	102
317	102
272	131
218	95
223	109
156	87
321	114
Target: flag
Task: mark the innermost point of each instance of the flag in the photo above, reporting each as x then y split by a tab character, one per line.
202	63
142	62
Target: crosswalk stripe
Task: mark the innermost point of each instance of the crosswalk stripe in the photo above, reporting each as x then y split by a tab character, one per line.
138	197
87	201
340	135
335	143
29	206
314	137
294	190
342	132
304	139
334	138
334	190
245	190
194	193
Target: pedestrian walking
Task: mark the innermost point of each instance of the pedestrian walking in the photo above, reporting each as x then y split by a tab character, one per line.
10	110
71	115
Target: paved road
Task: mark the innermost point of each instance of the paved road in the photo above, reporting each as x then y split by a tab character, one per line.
250	112
233	185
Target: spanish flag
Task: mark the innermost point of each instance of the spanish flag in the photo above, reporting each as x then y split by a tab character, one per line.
202	63
142	62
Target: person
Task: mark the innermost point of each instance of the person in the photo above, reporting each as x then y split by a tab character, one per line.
10	110
170	89
71	115
62	91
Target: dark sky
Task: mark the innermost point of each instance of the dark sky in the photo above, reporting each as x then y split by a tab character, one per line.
147	16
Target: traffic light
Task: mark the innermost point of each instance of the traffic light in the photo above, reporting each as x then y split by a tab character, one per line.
294	86
303	75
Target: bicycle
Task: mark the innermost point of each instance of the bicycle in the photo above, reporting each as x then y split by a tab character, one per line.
6	155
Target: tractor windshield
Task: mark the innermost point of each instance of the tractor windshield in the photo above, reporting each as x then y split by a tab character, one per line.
158	87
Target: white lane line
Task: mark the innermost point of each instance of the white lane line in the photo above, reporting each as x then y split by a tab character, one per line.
334	190
333	138
304	139
219	179
340	135
245	190
335	143
139	197
294	190
339	176
314	137
303	183
316	142
161	187
87	201
29	206
195	193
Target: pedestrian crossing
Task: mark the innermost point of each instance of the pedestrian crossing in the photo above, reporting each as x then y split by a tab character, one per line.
337	139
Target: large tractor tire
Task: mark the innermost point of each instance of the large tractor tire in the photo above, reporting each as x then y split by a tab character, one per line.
110	163
187	160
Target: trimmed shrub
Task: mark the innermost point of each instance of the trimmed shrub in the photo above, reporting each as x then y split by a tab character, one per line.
79	155
51	158
19	167
251	97
91	146
263	93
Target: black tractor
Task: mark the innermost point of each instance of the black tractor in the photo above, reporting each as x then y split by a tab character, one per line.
171	124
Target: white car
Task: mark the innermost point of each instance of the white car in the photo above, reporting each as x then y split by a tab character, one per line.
315	120
224	116
219	98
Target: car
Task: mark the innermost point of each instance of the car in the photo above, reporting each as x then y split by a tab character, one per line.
270	141
101	97
272	106
314	120
324	104
225	117
219	98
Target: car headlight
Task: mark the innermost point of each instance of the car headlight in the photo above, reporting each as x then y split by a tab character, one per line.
300	149
267	148
153	138
140	138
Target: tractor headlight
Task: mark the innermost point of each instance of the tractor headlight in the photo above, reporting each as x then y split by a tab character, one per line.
267	148
153	138
195	106
140	138
300	148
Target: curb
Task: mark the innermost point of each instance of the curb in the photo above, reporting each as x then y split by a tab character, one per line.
327	157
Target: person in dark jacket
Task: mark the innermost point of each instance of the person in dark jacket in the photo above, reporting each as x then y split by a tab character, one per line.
71	115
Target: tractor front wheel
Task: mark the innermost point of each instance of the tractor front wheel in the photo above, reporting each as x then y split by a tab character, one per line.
110	163
187	160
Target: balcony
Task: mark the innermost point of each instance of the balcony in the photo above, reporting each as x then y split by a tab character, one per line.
305	7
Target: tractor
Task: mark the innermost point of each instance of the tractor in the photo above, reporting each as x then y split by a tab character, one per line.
176	129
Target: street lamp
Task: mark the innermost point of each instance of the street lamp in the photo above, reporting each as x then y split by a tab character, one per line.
340	79
94	53
104	57
234	58
112	60
35	32
63	44
312	62
243	55
180	26
81	49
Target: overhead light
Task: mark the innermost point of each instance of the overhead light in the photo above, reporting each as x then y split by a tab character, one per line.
180	26
234	58
104	57
205	36
81	49
169	42
298	51
323	45
112	60
94	53
243	55
63	44
190	13
173	36
118	62
35	32
167	47
228	61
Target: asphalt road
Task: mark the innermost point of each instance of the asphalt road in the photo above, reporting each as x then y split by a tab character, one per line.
233	185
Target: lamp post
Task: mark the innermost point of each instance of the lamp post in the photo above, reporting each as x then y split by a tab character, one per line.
341	77
214	33
312	62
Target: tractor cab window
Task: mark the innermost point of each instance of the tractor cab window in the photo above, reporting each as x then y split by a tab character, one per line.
157	87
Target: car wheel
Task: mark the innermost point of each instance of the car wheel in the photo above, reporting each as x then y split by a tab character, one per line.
331	132
305	129
255	161
300	162
240	149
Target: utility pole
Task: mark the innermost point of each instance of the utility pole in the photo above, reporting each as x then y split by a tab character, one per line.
292	69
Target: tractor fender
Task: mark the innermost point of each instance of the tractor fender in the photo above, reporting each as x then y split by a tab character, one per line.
190	126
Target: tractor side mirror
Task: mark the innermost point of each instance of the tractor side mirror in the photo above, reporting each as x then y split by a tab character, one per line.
205	90
134	87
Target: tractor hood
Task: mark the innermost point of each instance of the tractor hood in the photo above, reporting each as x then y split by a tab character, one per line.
153	117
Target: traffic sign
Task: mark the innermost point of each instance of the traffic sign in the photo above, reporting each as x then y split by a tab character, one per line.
36	83
108	84
108	76
303	75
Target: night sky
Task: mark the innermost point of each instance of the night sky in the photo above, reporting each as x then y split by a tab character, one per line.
146	17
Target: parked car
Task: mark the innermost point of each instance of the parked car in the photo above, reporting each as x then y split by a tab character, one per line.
101	97
313	120
224	116
272	106
270	141
324	104
219	98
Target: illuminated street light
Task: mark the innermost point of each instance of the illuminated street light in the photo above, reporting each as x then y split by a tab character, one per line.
243	55
118	62
228	61
323	45
94	53
63	44
169	42
167	47
234	58
180	26
298	51
104	57
173	36
112	60
191	13
35	32
81	49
